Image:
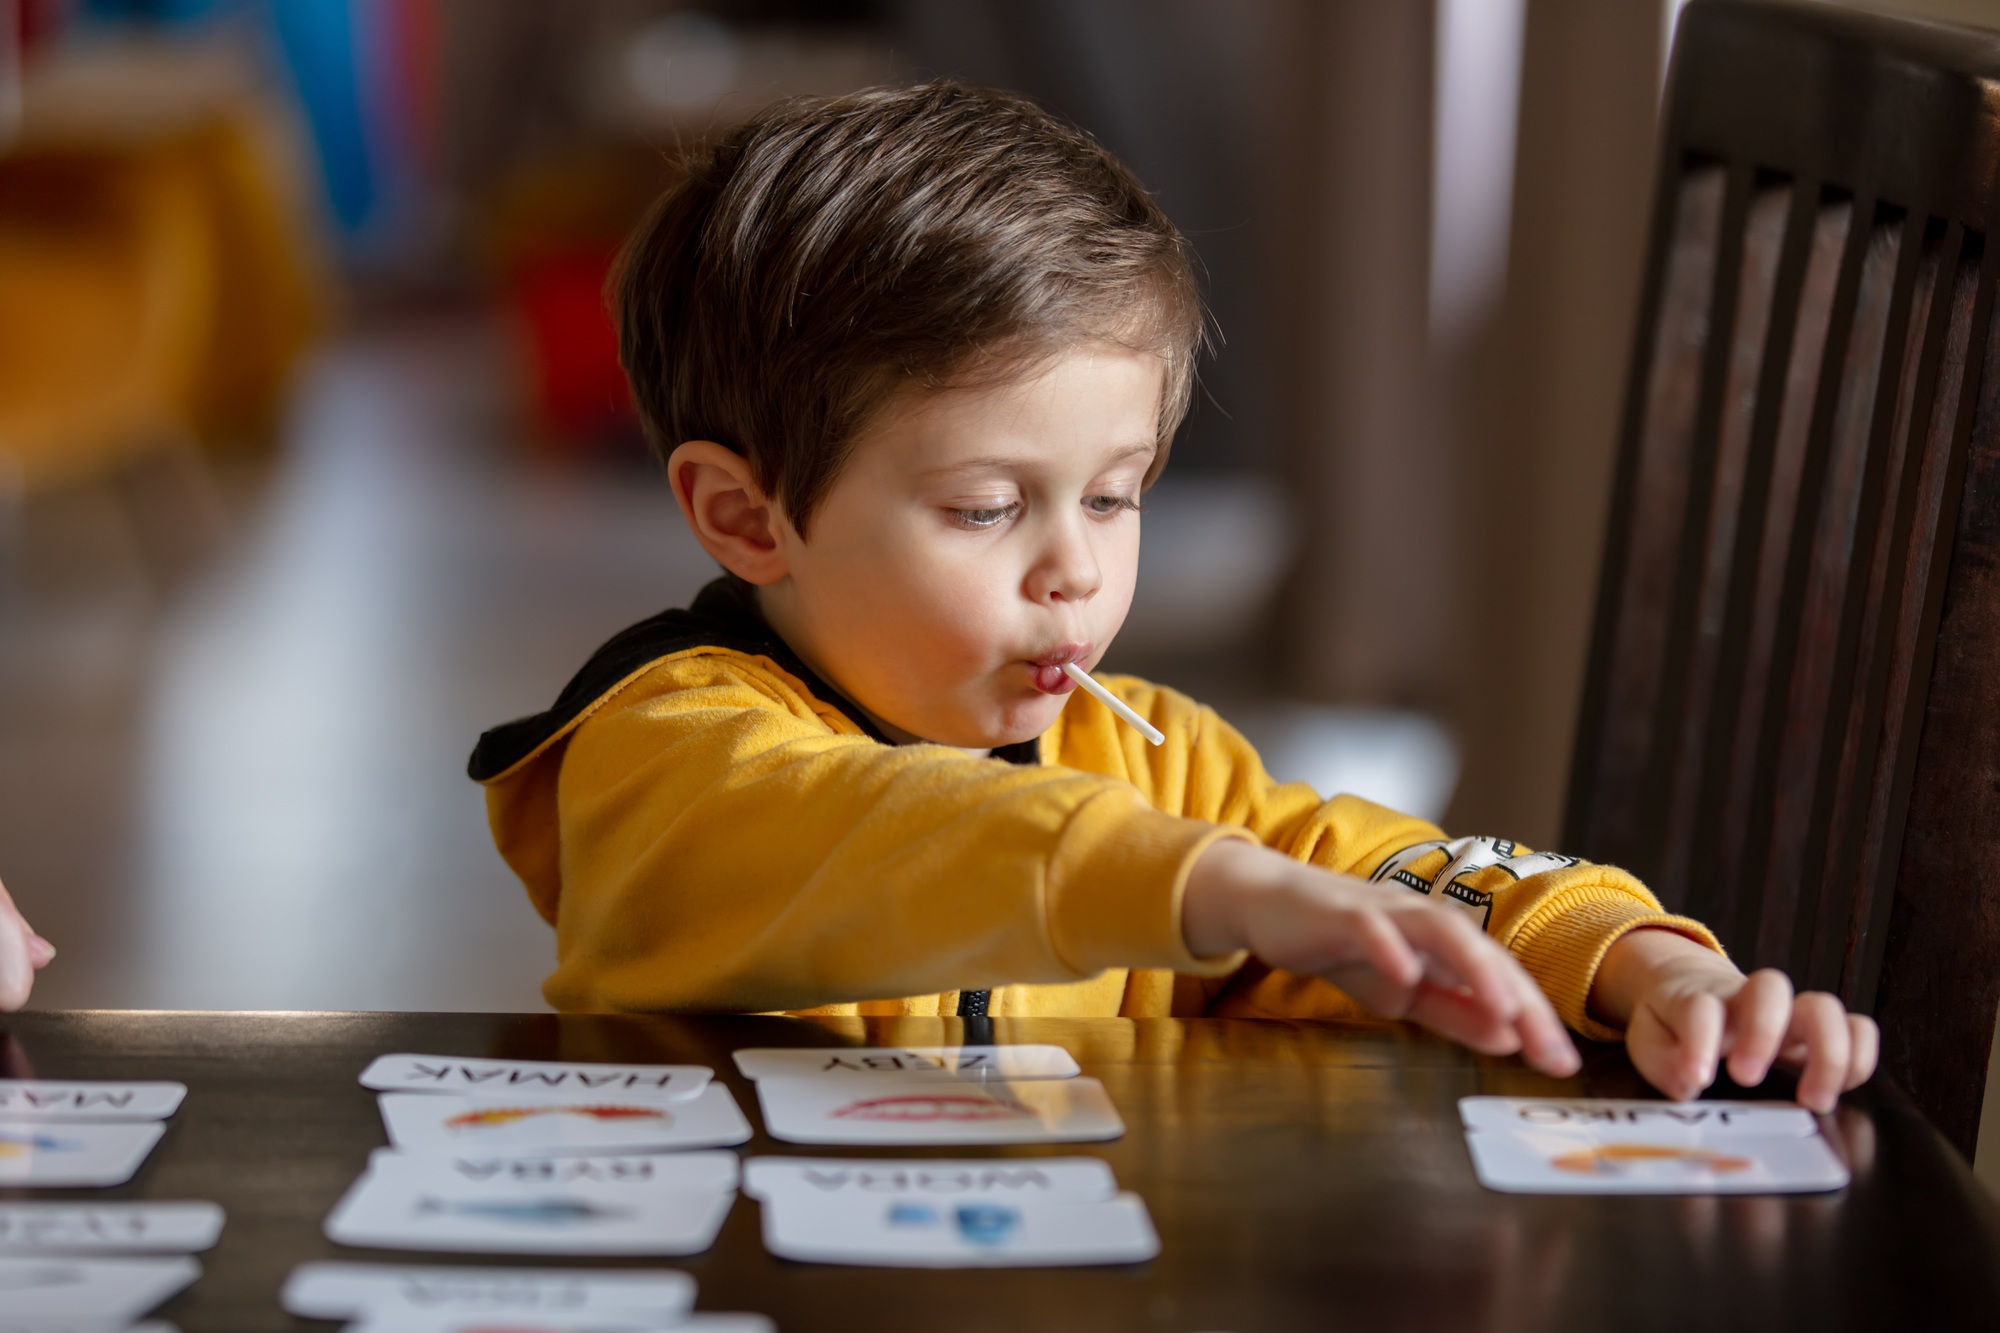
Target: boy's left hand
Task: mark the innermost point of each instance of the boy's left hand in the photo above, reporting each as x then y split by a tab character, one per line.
1685	1008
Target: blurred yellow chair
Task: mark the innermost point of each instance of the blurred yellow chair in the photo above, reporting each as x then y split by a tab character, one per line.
154	291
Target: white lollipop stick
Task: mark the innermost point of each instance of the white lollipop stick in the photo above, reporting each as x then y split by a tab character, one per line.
1114	703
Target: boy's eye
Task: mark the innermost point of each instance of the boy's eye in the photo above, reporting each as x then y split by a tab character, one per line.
983	518
1106	505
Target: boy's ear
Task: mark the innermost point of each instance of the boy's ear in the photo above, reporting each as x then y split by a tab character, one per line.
732	518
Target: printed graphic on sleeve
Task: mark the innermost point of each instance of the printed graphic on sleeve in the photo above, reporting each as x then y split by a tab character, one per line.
1466	871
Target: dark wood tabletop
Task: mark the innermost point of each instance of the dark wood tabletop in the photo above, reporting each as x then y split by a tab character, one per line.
1301	1176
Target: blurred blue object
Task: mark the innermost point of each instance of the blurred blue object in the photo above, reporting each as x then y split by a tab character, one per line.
320	41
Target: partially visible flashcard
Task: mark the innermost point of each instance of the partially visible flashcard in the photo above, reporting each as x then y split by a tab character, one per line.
70	1228
979	1231
610	1323
1575	1146
935	1061
424	1204
48	1099
431	1122
562	1080
44	1288
69	1154
925	1109
1076	1179
379	1291
700	1171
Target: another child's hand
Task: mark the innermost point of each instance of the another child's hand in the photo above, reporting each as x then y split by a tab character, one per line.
1686	1007
1400	954
22	954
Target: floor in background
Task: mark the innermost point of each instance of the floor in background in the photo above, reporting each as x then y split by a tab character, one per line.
245	788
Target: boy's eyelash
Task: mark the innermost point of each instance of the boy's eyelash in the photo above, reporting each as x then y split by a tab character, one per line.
983	518
1119	502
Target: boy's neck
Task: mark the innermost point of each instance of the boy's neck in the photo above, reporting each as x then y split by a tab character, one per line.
774	617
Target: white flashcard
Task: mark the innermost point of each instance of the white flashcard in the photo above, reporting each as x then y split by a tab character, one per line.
46	1099
931	1110
1076	1179
430	1122
420	1206
974	1062
1567	1146
109	1228
344	1291
559	1079
698	1171
1756	1119
921	1231
700	1322
44	1288
71	1154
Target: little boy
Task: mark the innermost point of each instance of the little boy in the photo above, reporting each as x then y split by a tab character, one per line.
912	357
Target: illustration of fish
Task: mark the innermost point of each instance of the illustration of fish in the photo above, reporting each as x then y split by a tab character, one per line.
13	1146
934	1106
1611	1159
491	1116
906	1214
553	1212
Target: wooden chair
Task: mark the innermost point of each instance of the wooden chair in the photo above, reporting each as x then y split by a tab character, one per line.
1791	723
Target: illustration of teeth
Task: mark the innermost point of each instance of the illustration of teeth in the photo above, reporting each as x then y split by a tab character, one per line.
507	1115
934	1107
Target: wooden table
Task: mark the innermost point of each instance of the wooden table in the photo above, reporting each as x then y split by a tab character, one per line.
1301	1177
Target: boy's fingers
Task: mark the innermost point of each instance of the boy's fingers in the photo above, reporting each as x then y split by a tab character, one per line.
1655	1051
1465	1020
17	974
1761	1015
40	951
1384	948
1696	1020
1864	1046
1545	1042
1819	1022
1466	956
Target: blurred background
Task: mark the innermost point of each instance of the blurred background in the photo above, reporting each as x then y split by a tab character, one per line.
315	458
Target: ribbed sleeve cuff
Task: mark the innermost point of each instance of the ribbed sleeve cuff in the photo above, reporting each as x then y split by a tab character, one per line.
1115	886
1563	947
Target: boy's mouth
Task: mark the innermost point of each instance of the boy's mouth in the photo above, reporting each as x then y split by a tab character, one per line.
1047	669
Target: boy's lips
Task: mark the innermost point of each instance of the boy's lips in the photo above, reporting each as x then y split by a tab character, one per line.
1047	669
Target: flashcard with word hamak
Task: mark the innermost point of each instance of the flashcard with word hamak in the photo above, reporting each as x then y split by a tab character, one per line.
561	1080
924	1109
967	1062
1526	1145
585	1123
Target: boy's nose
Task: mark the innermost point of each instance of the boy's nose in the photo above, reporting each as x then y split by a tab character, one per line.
1067	572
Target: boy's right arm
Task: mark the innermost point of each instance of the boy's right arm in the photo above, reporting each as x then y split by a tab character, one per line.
1399	954
722	850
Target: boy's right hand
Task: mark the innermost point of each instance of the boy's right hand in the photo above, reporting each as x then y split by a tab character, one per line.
1400	954
22	953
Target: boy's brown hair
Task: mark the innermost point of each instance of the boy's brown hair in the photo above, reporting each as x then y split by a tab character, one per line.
828	252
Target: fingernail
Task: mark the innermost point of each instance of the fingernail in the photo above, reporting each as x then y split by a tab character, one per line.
40	950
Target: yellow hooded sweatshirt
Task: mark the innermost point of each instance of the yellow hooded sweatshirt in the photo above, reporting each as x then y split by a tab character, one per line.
712	829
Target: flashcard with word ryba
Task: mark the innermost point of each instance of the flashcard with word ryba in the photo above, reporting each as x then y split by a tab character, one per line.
931	1110
976	1231
108	1228
330	1290
1524	1145
586	1123
427	1203
43	1099
73	1154
968	1062
533	1078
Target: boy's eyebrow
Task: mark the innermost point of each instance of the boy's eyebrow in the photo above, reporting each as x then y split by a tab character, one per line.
1011	460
